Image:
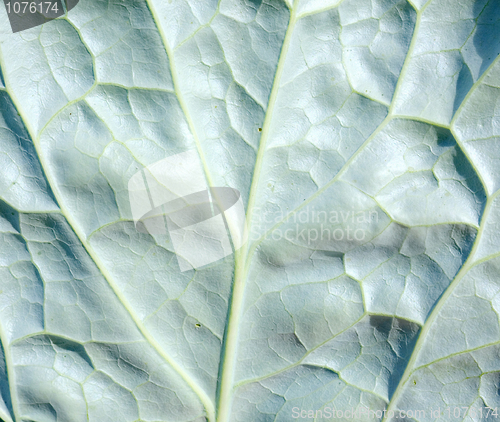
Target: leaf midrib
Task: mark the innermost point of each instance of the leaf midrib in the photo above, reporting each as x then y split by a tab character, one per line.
241	256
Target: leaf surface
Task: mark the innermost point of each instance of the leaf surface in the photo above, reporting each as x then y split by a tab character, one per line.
364	139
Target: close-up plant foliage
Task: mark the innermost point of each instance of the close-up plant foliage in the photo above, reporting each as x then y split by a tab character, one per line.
361	139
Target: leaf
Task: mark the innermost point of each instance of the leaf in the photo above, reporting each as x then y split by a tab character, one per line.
364	139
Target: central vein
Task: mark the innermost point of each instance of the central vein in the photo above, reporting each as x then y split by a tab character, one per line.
229	350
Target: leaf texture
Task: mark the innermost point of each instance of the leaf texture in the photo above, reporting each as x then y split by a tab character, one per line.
364	139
